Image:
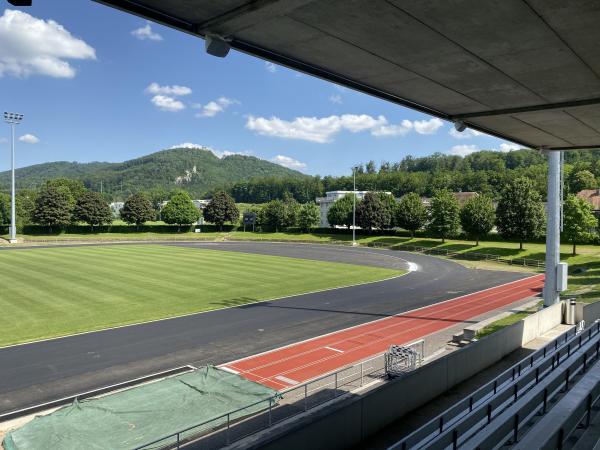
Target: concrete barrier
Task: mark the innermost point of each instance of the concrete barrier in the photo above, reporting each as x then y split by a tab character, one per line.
345	424
588	312
470	332
537	324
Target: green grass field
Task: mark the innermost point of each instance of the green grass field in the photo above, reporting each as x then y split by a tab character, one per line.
50	292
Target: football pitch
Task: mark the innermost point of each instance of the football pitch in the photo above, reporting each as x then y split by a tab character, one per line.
50	292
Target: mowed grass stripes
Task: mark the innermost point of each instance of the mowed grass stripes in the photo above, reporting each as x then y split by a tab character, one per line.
53	292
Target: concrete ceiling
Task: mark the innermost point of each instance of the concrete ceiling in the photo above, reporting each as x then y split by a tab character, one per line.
523	70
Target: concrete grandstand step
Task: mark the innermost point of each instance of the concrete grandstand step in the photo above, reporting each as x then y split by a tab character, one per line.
470	332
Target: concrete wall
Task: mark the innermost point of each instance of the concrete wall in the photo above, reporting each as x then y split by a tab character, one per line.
544	320
347	424
588	312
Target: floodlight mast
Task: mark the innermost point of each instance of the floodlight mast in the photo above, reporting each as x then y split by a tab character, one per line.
354	207
12	119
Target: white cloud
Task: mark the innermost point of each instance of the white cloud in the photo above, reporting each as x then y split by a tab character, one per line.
288	162
393	130
303	128
467	134
335	98
270	67
189	145
224	153
313	129
35	46
323	129
174	90
164	96
29	139
217	153
212	108
509	147
362	122
146	33
463	150
166	103
428	126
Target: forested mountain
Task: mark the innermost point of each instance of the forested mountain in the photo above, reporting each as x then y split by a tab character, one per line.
197	171
254	180
484	171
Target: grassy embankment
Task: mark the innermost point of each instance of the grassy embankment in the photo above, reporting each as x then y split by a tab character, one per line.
61	290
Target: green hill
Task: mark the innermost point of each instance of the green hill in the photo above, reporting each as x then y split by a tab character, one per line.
195	170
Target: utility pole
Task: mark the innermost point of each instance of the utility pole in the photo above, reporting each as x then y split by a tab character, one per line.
354	207
13	119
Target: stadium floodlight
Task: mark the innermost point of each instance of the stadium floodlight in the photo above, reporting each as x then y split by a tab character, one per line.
13	119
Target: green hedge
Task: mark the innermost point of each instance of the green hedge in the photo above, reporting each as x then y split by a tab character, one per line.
40	230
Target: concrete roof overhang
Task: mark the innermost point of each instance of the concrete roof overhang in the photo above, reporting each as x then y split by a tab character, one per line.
523	70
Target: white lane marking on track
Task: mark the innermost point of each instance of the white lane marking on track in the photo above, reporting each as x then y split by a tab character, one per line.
335	349
227	369
400	314
286	380
337	247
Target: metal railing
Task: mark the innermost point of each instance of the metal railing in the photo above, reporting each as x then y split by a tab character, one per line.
235	425
465	418
471	256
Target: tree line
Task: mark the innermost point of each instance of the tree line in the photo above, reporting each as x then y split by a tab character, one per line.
484	172
519	214
62	202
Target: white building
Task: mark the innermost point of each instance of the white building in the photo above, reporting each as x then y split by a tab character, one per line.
115	208
330	197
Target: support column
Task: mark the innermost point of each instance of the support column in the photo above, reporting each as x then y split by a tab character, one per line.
551	295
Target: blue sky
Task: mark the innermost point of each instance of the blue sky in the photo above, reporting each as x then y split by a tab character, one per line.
96	84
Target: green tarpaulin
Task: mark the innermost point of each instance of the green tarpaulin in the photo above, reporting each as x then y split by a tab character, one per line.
140	415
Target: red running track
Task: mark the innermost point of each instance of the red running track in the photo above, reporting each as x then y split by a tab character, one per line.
284	367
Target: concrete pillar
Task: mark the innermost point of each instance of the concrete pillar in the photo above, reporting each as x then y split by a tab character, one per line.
551	295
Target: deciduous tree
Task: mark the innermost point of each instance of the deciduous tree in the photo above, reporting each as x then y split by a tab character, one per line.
389	204
477	216
580	180
180	210
444	214
578	221
53	207
272	215
221	209
411	214
75	187
309	217
92	209
292	211
372	213
137	210
520	213
340	212
4	208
